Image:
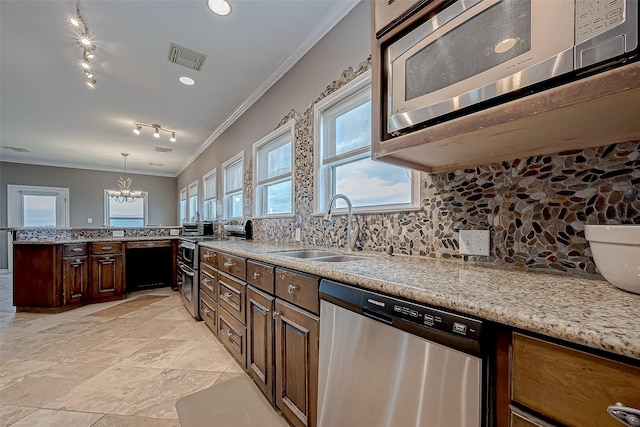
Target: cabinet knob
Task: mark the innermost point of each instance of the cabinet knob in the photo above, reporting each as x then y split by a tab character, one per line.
275	315
256	275
292	288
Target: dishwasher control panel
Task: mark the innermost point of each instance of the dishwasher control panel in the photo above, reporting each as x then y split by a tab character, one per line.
425	316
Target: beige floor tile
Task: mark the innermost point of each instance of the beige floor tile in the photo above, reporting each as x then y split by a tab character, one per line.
132	421
158	398
227	376
11	333
48	417
43	386
66	348
10	414
12	371
159	354
178	313
148	312
174	301
188	331
106	390
208	355
235	368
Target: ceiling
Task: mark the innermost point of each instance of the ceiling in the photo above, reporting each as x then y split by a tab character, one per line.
47	108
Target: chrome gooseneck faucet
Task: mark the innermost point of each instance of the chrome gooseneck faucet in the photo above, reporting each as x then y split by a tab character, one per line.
353	230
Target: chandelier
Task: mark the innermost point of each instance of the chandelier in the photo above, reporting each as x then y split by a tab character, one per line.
124	193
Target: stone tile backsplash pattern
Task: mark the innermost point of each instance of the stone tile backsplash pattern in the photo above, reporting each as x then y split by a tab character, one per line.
536	208
93	233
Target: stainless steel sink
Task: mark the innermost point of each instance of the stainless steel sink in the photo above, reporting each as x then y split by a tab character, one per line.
322	256
307	254
339	258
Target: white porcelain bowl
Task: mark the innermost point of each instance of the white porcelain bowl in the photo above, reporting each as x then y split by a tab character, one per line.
616	252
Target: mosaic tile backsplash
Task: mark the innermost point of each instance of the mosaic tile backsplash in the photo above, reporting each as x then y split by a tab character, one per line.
535	208
93	233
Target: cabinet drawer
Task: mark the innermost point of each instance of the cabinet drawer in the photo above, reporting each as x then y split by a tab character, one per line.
518	418
209	256
208	269
74	249
106	248
569	386
208	284
236	266
209	313
231	295
149	244
232	334
261	276
298	288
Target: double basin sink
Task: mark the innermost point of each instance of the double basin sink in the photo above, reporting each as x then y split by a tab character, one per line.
322	256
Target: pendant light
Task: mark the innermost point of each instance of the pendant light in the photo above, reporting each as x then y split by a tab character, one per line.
124	193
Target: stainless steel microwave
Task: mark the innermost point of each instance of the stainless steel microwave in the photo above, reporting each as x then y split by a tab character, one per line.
474	51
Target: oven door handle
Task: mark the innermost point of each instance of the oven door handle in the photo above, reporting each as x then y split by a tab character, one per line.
186	270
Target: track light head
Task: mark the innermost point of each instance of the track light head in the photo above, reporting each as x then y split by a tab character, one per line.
92	83
136	130
74	21
156	134
173	137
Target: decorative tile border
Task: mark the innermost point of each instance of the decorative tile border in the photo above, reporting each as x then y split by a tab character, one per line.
99	232
535	207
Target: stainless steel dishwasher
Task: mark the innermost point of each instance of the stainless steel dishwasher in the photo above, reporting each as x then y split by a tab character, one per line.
390	362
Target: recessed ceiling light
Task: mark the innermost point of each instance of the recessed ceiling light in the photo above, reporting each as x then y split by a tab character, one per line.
187	81
219	7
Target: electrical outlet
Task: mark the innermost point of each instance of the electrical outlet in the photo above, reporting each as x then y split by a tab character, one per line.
117	233
297	234
474	242
89	220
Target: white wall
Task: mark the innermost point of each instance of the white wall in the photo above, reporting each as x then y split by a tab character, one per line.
346	45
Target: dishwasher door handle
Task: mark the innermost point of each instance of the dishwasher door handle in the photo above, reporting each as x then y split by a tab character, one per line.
377	316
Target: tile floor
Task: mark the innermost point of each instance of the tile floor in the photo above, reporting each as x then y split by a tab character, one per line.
122	363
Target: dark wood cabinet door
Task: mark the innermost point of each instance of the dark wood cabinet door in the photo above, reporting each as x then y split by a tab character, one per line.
296	351
75	276
260	340
107	276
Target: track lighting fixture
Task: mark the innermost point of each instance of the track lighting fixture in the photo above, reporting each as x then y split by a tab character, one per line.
137	127
85	42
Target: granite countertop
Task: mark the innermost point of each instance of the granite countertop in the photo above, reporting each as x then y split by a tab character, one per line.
589	312
62	241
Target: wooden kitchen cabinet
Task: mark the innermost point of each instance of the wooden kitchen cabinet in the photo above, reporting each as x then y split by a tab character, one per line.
107	271
75	274
260	354
296	348
37	274
566	386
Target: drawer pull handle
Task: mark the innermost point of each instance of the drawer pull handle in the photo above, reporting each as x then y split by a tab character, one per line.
227	295
76	264
256	275
626	415
229	333
77	250
207	311
106	248
228	264
264	311
292	288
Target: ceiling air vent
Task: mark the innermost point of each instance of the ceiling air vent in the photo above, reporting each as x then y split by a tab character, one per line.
17	149
186	57
164	150
155	164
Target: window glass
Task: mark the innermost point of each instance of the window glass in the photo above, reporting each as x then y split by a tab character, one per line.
192	202
232	173
126	214
278	198
353	129
38	211
183	206
210	195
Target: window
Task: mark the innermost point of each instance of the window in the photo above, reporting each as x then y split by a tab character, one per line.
192	202
210	181
125	214
232	171
34	206
183	206
343	155
273	171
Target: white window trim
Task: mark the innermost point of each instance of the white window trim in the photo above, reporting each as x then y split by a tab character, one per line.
237	158
13	189
186	196
288	127
205	177
189	194
145	219
323	180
